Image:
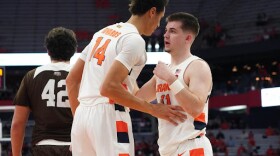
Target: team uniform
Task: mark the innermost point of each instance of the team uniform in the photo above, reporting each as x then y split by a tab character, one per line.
187	138
43	90
102	127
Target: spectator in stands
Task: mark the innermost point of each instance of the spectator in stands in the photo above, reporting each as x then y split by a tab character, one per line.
270	151
231	142
269	131
251	135
224	125
251	142
241	151
220	135
244	135
43	92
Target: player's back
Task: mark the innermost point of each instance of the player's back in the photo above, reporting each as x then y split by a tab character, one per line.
46	95
99	56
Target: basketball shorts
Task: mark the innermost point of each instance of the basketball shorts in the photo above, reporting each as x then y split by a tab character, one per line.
102	130
51	150
195	147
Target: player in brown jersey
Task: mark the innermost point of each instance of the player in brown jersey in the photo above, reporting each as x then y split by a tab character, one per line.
43	92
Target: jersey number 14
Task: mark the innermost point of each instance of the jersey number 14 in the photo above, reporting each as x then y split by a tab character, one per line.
99	51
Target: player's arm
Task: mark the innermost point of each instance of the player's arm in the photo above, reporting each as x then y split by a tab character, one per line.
193	97
148	90
113	89
73	81
19	121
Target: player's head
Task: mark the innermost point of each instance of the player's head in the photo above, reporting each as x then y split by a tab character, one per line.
61	44
140	7
181	27
152	10
188	21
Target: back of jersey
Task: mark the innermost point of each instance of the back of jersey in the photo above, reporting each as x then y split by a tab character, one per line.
99	56
44	91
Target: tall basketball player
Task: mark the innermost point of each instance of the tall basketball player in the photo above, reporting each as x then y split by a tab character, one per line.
106	74
186	82
43	93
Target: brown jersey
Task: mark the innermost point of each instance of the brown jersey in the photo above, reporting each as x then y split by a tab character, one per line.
43	90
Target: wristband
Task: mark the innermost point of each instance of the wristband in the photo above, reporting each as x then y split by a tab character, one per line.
176	87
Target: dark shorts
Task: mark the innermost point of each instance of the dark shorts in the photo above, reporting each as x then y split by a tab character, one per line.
50	150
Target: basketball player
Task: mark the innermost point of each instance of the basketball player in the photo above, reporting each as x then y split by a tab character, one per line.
43	92
186	82
106	73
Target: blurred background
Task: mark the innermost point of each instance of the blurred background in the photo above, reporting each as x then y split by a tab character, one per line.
238	38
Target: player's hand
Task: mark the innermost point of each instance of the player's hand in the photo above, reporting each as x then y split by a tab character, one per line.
173	114
162	71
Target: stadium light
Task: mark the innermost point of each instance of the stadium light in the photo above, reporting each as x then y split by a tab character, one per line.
233	108
37	59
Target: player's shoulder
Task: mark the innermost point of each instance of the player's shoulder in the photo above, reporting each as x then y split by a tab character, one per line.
30	73
52	67
199	64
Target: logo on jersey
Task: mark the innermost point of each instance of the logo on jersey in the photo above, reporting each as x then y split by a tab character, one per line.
57	73
177	72
162	87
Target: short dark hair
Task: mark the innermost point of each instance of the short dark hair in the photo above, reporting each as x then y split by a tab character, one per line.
189	21
140	7
61	43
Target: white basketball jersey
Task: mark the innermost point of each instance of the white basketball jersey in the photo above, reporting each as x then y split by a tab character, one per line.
107	46
171	136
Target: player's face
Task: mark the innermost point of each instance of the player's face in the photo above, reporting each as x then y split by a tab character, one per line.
174	37
154	23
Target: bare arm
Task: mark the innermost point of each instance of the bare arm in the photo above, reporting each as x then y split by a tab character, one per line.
73	81
199	79
19	121
112	88
148	90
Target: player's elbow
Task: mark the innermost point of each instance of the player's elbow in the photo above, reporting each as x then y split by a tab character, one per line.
15	126
107	89
69	80
196	110
196	113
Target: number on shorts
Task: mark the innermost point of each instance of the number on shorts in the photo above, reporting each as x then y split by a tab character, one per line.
49	94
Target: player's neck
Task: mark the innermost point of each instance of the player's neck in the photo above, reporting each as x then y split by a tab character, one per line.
137	21
178	58
58	61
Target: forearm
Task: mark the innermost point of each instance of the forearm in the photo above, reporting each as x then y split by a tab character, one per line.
187	100
148	91
117	93
73	92
17	137
190	102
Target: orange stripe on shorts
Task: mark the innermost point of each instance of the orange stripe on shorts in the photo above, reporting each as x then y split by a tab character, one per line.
200	118
121	126
123	154
197	152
